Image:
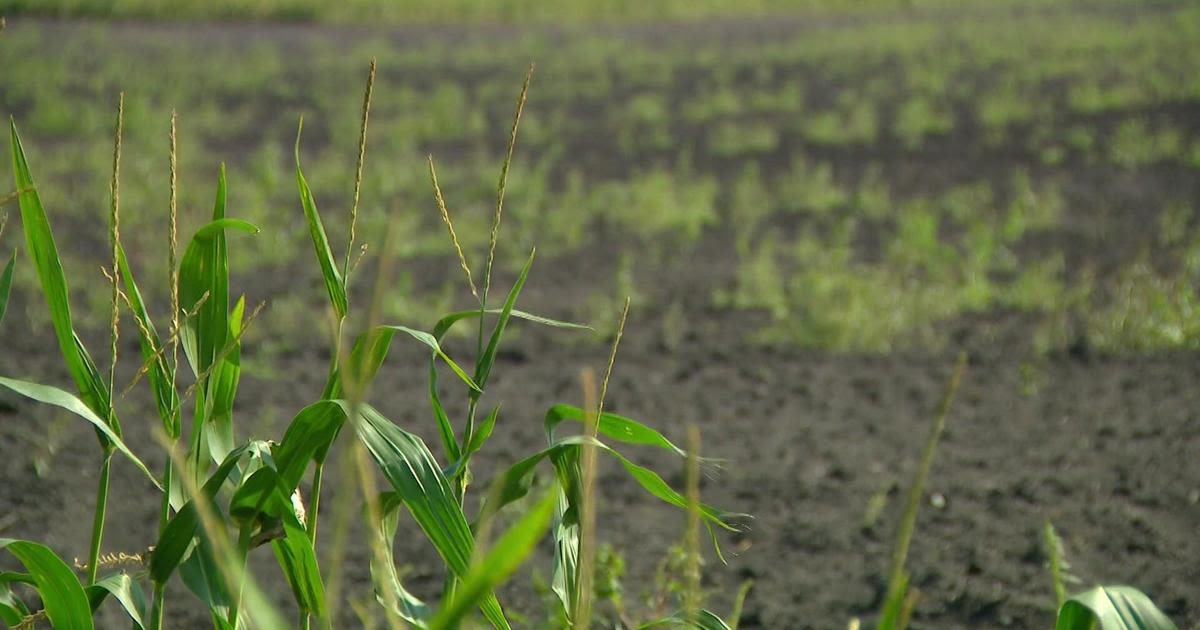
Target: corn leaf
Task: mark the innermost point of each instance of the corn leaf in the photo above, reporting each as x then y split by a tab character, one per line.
389	592
334	283
64	400
12	609
6	284
414	474
441	419
613	426
204	275
446	323
40	243
166	398
123	589
177	537
483	367
500	562
371	350
705	620
1112	608
62	595
298	560
518	478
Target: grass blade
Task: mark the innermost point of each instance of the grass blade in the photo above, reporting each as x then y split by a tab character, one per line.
62	595
500	562
1112	608
64	400
893	605
316	229
705	620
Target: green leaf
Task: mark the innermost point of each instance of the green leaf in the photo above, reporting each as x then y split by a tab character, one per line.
166	398
298	560
611	425
411	469
59	398
483	367
204	275
44	253
62	595
389	592
222	387
125	591
371	350
441	419
515	482
1112	608
500	562
446	323
705	620
6	284
334	283
307	438
177	537
12	610
483	432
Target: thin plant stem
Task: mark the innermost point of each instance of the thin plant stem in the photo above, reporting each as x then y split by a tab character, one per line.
159	602
115	238
585	572
691	595
93	565
897	577
243	551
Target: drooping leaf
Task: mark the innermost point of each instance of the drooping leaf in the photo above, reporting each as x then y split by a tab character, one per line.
1112	608
613	426
446	323
334	283
501	561
371	350
62	595
64	400
125	590
418	480
389	591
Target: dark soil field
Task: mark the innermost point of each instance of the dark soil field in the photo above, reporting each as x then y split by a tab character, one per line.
1103	443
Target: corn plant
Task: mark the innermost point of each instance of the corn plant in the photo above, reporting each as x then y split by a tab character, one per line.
1101	608
224	496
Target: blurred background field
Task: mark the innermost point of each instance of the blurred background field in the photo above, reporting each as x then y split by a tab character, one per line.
857	181
804	200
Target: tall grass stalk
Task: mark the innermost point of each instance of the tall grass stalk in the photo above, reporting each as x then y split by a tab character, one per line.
898	600
501	186
164	515
692	597
114	233
335	357
593	408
